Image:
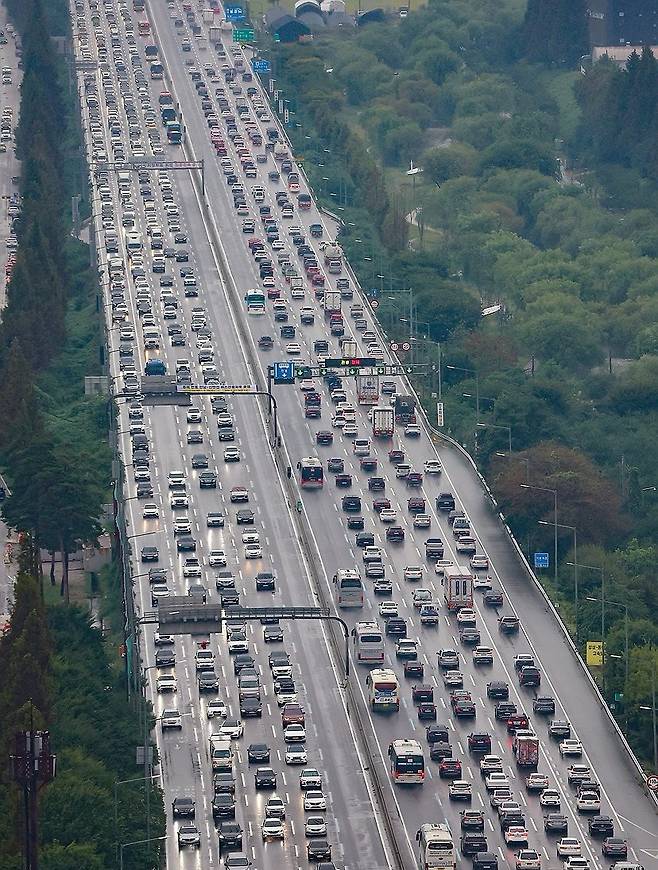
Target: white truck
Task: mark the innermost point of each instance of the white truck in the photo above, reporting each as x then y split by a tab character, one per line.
215	34
383	422
367	389
457	587
333	258
331	302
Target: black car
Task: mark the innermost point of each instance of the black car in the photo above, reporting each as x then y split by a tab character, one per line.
207	480
351	504
395	534
324	438
559	729
183	807
157	575
251	707
273	634
600	826
150	554
414	670
365	539
445	501
469	636
208	681
396	627
241	661
498	689
265	581
376	484
343	480
355	523
508	624
493	598
223	781
230	836
318	850
165	658
258	753
440	751
473	843
223	806
186	544
244	517
144	490
556	823
265	777
479	743
615	847
199	460
544	706
504	709
472	820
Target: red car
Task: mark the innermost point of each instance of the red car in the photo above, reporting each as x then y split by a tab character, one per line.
396	456
450	768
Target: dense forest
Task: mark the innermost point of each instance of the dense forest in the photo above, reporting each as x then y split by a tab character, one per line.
565	368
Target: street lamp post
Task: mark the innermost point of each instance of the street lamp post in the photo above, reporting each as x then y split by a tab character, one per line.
652	708
626	663
498	426
137	843
598	568
575	569
117	783
555	522
477	384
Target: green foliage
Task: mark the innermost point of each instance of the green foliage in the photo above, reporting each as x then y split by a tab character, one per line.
555	31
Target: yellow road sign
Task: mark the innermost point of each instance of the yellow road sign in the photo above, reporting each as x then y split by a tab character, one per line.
594	653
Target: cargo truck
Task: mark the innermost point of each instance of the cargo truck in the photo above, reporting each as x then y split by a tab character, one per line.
332	302
280	151
367	389
383	422
457	586
215	34
348	348
527	751
208	16
405	409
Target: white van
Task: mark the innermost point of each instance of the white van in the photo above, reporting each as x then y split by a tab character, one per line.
221	754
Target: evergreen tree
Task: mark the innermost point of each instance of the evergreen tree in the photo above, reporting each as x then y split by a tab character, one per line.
555	31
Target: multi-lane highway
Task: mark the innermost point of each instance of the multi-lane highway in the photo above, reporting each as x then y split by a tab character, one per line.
121	109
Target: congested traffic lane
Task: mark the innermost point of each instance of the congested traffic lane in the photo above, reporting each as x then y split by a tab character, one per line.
186	769
296	437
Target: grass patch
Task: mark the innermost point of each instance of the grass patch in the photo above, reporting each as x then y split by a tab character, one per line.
560	86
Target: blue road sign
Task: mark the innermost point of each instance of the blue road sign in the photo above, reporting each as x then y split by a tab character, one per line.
541	560
284	373
261	66
233	12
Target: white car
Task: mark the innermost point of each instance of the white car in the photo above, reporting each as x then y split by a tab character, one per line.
314	800
351	430
296	754
231	454
272	829
479	563
466	616
193	415
253	551
422	596
453	679
250	537
232	728
422	521
496	780
576	863
310	778
294	733
571	748
528	859
412	573
432	466
550	798
484	584
388	608
166	683
406	648
216	708
315	826
412	430
588	802
239	494
388	515
307	386
441	565
491	764
204	660
217	559
151	511
459	790
516	835
293	349
179	501
568	846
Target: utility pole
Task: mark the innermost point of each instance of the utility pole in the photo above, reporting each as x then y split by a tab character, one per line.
32	766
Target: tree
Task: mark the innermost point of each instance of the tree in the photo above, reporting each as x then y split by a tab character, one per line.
555	31
449	162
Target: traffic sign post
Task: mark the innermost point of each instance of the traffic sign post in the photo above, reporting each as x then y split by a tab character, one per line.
260	65
284	373
652	783
594	653
439	414
243	35
541	560
234	12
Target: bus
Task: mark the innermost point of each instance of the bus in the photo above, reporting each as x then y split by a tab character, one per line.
457	587
407	762
368	643
383	690
143	28
311	474
349	588
255	300
436	846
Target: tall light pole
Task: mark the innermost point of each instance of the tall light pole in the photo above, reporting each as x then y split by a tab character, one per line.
477	384
598	568
626	663
555	522
653	708
575	570
498	426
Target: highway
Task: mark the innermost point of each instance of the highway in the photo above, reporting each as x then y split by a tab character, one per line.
351	821
354	833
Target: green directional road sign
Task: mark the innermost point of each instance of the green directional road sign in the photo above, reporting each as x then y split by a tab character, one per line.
244	35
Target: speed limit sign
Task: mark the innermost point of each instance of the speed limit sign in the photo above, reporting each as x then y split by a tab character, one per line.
405	345
374	303
652	783
394	346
